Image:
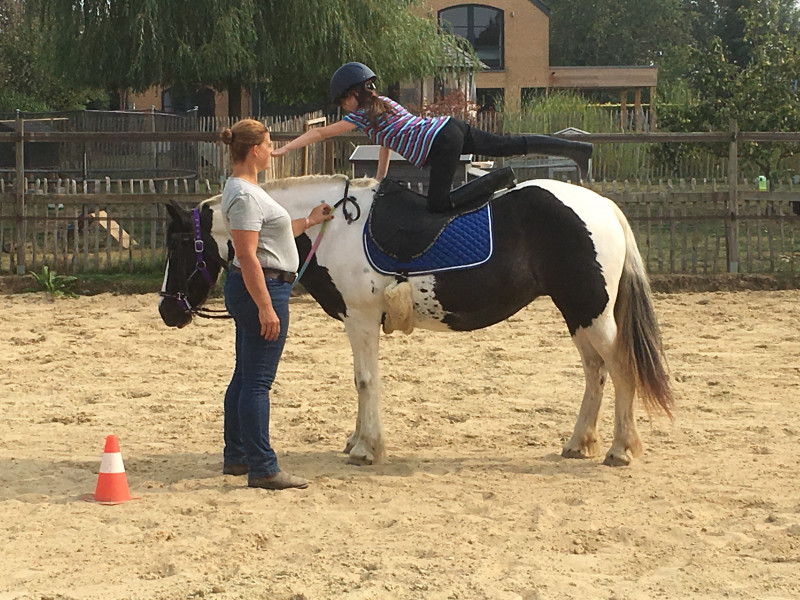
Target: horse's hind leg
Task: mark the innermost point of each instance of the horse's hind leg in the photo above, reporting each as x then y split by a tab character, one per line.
366	445
626	443
585	442
598	343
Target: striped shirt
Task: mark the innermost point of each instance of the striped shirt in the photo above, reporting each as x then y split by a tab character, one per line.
408	135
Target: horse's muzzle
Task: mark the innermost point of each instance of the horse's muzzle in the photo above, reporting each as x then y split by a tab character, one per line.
172	314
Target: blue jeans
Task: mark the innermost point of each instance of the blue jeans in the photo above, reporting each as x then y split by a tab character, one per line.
247	396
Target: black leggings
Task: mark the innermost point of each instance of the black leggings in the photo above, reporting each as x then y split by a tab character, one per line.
457	138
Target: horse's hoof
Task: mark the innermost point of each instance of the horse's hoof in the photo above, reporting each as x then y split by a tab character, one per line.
573	453
617	460
359	461
582	448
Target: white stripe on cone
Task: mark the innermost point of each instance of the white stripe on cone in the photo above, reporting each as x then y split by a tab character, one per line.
112	463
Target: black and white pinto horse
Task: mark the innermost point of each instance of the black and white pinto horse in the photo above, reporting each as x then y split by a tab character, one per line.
550	238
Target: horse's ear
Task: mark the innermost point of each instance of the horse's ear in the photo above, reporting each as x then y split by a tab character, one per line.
175	211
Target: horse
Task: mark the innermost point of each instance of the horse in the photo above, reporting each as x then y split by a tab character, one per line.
549	238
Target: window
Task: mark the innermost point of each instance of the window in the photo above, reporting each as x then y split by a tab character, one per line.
489	98
178	99
482	26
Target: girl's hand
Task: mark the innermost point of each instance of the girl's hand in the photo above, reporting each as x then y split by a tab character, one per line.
280	151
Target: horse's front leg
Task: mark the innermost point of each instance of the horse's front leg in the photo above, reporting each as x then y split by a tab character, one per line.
366	445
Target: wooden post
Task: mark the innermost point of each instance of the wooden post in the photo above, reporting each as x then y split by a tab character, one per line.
733	201
652	109
329	151
154	146
637	104
623	109
19	207
319	121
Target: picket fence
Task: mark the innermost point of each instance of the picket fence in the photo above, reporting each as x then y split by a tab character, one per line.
120	226
118	223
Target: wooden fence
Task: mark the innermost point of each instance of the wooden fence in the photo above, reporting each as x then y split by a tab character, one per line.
104	224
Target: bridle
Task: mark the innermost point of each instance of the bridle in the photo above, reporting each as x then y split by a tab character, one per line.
200	266
348	216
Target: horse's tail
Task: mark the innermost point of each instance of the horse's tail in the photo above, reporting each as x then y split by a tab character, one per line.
639	343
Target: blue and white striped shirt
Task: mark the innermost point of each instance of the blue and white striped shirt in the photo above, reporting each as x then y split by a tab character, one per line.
408	135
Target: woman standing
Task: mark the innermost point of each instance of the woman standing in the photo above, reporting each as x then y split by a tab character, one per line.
437	142
257	291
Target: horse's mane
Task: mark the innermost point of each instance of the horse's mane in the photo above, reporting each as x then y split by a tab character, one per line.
361	182
305	179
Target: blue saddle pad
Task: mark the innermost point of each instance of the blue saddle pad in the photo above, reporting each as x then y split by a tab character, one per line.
465	242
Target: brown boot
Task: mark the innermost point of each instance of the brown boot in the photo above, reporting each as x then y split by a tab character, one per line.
279	481
235	469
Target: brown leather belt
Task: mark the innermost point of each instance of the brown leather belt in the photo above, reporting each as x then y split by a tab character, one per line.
286	276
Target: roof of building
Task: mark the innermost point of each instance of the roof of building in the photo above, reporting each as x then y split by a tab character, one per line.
541	6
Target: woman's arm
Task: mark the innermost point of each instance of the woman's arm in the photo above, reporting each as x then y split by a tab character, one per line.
315	217
315	135
245	244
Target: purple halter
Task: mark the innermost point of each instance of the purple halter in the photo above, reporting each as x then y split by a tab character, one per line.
200	266
199	246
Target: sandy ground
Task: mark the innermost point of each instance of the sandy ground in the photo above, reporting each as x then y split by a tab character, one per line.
474	500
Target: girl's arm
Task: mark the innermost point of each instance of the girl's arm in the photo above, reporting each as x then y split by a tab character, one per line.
315	135
384	154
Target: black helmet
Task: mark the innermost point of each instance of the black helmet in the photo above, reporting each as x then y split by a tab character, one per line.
347	76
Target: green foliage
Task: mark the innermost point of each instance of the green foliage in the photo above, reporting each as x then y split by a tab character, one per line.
615	32
564	109
750	78
293	47
557	111
53	284
27	81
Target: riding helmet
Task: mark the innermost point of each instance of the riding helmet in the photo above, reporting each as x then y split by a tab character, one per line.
349	75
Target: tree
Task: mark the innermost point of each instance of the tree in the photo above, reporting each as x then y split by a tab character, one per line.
615	32
26	81
291	46
752	79
724	19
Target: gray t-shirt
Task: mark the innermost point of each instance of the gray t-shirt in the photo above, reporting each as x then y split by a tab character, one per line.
249	208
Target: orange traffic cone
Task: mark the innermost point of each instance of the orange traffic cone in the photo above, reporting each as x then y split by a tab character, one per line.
112	483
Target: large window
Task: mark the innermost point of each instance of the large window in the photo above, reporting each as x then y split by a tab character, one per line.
482	26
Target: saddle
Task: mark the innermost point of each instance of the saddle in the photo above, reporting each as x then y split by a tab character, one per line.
402	237
400	224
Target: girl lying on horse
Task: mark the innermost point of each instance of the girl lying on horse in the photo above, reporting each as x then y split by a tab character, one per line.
436	142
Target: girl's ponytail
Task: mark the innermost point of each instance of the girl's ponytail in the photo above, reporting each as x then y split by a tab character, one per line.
374	106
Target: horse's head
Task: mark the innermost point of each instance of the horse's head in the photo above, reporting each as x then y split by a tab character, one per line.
193	264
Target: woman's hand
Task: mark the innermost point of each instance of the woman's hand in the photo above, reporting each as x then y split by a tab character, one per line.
270	323
280	151
320	214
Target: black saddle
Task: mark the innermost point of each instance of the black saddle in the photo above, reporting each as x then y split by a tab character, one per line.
401	225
